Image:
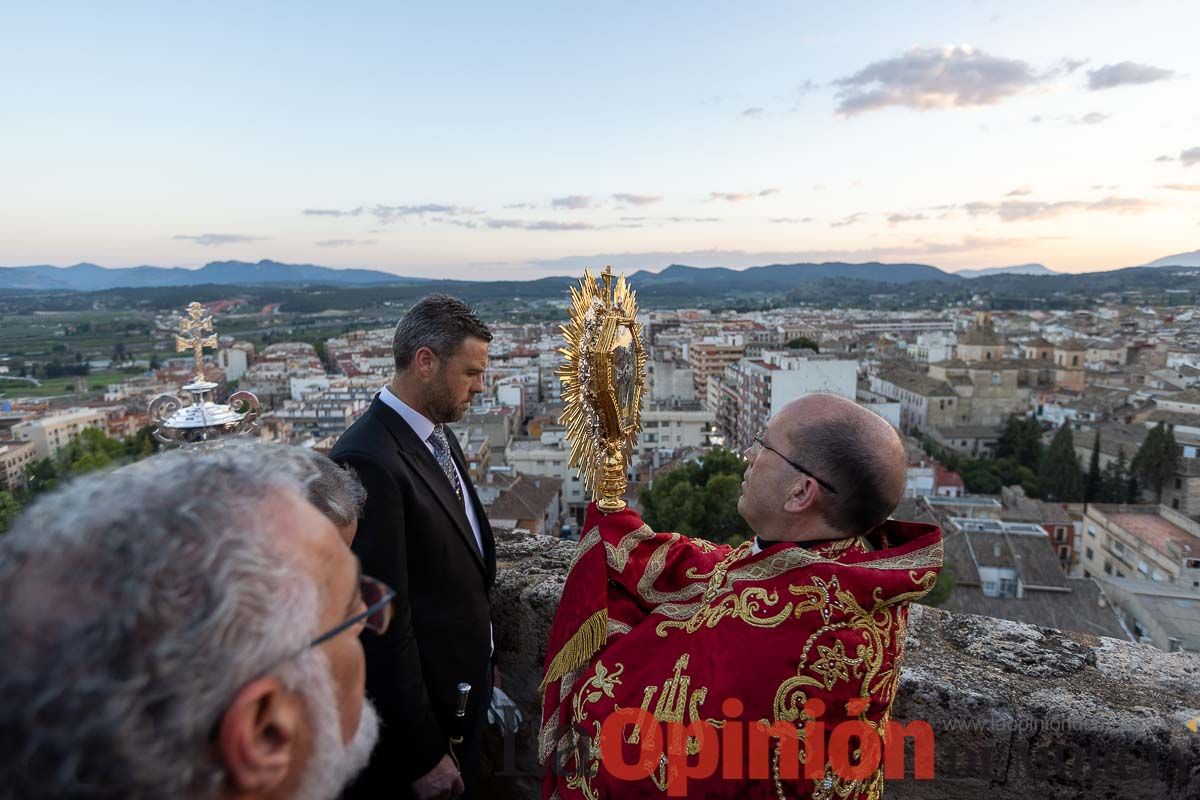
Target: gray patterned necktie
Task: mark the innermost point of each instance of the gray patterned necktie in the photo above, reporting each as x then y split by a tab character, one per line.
441	451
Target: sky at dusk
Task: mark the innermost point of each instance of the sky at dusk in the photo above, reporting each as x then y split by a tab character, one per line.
513	140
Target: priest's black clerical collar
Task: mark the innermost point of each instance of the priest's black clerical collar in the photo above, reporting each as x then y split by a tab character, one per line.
763	544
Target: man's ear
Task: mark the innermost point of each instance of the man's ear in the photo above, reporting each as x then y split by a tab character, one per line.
258	736
802	495
426	361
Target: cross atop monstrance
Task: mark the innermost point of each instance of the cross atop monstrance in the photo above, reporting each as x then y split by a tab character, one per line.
196	324
203	421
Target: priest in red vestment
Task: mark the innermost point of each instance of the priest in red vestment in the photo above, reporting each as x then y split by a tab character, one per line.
681	668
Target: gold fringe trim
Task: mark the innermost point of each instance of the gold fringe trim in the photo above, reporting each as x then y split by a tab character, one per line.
579	648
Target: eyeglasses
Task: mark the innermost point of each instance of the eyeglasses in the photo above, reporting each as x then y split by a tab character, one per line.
758	440
378	597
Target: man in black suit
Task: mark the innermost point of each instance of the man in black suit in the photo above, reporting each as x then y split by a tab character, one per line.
424	532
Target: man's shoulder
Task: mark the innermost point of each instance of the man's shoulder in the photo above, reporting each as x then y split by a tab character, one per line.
367	436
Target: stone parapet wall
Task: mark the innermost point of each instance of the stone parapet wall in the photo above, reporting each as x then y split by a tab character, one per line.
1018	711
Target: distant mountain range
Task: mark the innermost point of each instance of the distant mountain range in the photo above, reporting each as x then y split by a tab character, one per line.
1191	259
675	278
90	277
1020	269
776	277
780	277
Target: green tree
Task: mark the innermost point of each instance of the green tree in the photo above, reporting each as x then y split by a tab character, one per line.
41	476
989	476
142	443
801	342
9	509
699	499
1094	487
1009	442
1061	477
1133	489
1116	479
1157	460
1021	439
91	450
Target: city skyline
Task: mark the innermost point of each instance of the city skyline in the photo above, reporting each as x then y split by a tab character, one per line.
526	141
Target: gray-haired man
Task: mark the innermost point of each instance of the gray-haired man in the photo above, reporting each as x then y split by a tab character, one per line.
338	494
185	627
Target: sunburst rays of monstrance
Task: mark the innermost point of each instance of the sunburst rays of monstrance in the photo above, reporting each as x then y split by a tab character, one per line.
603	377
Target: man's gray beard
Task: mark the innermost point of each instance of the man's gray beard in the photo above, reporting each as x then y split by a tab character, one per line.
440	404
332	764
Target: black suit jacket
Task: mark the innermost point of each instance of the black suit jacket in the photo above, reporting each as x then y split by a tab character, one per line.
414	536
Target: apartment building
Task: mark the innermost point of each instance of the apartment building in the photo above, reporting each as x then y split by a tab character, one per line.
51	433
765	385
14	458
709	357
1144	542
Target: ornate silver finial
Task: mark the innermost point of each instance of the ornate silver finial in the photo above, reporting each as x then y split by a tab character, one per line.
203	421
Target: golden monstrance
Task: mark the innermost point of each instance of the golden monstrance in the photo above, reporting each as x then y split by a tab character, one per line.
603	376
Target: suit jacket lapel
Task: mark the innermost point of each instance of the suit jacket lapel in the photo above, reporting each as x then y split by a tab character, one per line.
417	454
485	526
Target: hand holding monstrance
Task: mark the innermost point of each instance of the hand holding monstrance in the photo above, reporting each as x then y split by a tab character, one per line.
602	378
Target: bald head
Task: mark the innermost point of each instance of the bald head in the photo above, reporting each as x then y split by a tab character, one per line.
855	450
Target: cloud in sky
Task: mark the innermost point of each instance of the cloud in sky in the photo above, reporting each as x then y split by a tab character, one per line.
731	197
753	111
1067	66
929	78
389	214
217	239
1181	187
347	242
332	212
790	220
846	221
662	220
1025	210
1090	118
573	202
896	219
1020	191
1125	73
741	197
1164	158
1190	156
637	199
537	225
